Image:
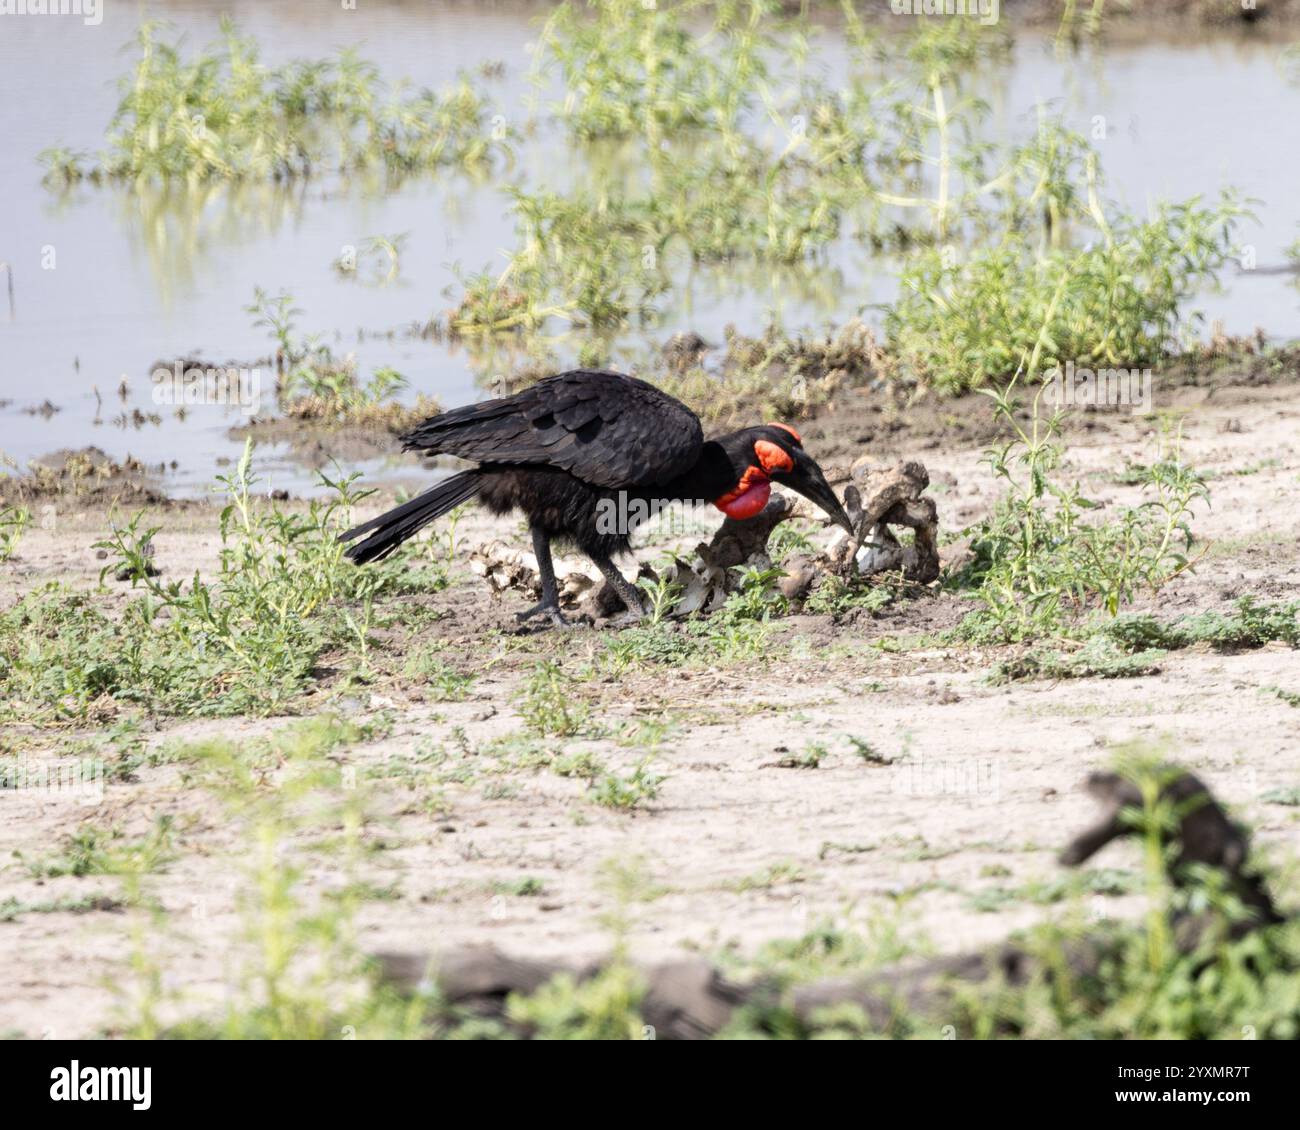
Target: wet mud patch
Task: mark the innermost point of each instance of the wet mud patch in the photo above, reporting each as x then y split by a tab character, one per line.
89	475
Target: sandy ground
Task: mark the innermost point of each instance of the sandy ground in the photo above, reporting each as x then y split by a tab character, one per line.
981	791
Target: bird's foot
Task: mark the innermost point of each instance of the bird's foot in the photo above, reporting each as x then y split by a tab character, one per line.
627	619
550	611
633	608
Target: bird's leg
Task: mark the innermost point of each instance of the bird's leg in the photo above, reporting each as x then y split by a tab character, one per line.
621	585
550	602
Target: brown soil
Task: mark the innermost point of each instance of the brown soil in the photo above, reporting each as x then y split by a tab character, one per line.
976	786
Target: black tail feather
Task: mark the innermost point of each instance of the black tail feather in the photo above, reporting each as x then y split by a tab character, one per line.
405	521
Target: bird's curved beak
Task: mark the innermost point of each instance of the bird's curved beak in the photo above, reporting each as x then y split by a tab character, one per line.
807	478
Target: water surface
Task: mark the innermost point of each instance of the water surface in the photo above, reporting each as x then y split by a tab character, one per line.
143	277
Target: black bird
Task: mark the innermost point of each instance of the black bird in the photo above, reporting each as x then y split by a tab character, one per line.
575	451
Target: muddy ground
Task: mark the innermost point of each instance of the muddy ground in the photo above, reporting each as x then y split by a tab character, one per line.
942	838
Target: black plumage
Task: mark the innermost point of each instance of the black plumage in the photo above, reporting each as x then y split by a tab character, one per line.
574	448
604	428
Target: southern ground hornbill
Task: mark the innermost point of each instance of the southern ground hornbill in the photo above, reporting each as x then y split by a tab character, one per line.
569	449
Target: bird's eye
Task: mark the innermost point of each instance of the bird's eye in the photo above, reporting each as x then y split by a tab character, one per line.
771	457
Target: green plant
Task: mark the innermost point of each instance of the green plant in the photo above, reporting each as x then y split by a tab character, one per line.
1039	563
1250	624
132	550
447	683
226	116
663	596
868	752
611	790
634	69
584	259
814	753
603	1007
1051	891
757	597
547	704
787	540
1132	644
93	850
1099	657
737	632
774	875
315	385
584	765
527	887
276	315
11	909
838	596
245	642
969	321
14	520
296	970
1152	987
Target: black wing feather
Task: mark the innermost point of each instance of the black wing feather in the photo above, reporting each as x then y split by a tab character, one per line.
605	428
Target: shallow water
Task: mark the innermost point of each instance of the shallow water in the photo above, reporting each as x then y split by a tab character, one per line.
133	283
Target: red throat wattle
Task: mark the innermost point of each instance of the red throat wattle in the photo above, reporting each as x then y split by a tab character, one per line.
749	496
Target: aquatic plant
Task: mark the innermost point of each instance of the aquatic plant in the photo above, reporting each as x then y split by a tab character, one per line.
224	115
316	385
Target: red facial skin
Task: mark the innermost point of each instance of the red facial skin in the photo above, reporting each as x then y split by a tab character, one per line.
772	458
750	495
